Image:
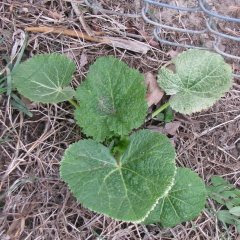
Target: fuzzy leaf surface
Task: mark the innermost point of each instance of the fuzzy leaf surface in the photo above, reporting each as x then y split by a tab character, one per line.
45	78
126	189
112	99
201	78
183	203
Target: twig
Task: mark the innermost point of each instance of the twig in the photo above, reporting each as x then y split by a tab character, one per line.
20	54
64	31
105	11
220	125
128	44
79	13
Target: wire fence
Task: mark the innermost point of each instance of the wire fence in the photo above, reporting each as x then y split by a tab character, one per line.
211	26
210	17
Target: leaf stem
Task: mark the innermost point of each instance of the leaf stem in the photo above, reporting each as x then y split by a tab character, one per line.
74	103
163	107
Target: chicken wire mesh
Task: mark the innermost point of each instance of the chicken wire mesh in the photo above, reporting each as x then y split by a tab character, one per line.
213	30
210	26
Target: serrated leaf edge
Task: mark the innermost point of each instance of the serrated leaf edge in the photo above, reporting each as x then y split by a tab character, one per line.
163	196
49	55
111	129
222	94
203	108
136	221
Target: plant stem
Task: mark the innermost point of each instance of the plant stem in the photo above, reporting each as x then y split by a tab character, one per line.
9	82
163	107
74	103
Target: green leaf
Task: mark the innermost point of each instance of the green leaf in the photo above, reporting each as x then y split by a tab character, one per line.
201	78
125	189
224	192
160	117
217	180
112	99
184	202
2	79
17	103
235	211
45	78
2	90
120	146
238	228
226	217
169	115
166	116
233	202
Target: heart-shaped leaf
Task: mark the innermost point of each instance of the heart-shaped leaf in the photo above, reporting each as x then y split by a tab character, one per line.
45	78
184	202
201	78
112	99
126	188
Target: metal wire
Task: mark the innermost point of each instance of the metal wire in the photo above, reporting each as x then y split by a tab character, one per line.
211	18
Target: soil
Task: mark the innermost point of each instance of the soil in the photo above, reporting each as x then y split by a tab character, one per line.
34	202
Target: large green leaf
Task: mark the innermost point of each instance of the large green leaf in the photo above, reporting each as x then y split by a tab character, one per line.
45	78
201	78
112	99
125	189
183	203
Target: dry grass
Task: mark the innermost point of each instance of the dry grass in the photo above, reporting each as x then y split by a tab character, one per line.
34	202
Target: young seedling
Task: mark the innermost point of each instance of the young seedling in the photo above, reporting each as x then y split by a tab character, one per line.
129	176
228	196
6	86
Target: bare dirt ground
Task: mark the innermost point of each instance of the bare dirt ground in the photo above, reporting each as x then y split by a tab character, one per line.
34	202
